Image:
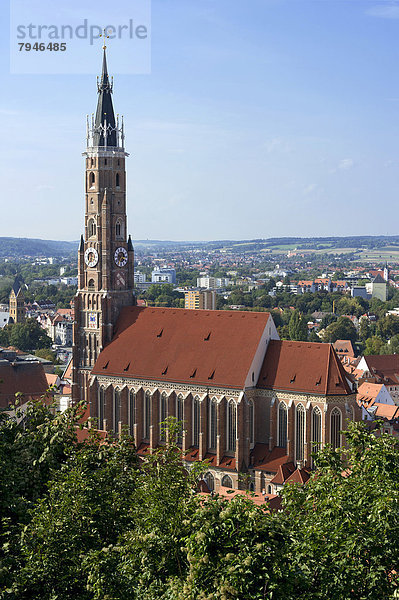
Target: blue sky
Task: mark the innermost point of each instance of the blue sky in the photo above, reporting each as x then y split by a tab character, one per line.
259	118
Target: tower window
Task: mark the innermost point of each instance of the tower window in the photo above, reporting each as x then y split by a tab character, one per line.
90	285
92	227
117	180
118	229
105	161
92	179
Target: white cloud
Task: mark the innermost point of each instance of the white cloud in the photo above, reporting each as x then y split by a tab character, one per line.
345	164
388	10
309	189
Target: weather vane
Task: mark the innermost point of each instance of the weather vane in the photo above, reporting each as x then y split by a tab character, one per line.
104	35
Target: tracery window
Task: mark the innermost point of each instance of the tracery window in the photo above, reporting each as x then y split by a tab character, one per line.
282	425
231	426
162	416
101	403
212	423
116	411
299	432
147	414
132	411
336	426
179	417
227	481
196	421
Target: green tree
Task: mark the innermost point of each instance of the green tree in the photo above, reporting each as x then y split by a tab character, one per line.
298	327
345	522
373	345
47	354
342	329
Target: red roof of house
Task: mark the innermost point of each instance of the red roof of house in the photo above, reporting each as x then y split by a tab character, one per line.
26	378
385	367
387	411
344	347
209	348
305	367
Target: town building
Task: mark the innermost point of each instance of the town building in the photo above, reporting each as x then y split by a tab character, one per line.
210	283
200	299
245	400
163	275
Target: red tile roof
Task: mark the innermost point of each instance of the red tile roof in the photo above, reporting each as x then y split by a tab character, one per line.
27	378
305	367
385	367
344	347
263	459
387	411
210	348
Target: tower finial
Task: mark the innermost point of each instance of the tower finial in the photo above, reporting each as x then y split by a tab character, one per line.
104	35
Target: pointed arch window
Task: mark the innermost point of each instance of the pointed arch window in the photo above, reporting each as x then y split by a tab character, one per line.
282	424
92	179
147	414
336	426
210	481
101	404
117	180
116	411
92	228
196	421
132	411
118	228
179	417
231	426
227	481
251	411
90	285
162	416
212	423
300	432
316	428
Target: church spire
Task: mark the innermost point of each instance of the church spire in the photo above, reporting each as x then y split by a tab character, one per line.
105	129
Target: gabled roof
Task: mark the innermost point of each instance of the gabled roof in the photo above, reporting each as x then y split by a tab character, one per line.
306	367
384	367
212	348
344	347
26	378
378	279
263	459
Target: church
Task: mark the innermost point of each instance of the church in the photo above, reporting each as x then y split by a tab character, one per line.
253	406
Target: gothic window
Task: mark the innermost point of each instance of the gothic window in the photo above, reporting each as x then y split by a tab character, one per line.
179	417
251	410
132	411
147	414
118	229
92	179
231	426
299	432
92	227
162	416
227	482
196	421
117	180
316	428
336	428
210	481
90	285
212	423
117	409
105	161
282	425
101	402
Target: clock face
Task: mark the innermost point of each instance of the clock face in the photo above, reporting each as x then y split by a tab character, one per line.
91	257
120	257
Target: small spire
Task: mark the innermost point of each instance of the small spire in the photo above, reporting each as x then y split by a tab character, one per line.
82	244
129	244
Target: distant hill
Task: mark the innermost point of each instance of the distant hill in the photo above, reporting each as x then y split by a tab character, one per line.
28	247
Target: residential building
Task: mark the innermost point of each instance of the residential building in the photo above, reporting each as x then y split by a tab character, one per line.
163	275
200	299
210	283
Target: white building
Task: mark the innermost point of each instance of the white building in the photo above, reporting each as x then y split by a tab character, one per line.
212	282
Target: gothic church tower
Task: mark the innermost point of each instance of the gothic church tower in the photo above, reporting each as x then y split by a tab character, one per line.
106	256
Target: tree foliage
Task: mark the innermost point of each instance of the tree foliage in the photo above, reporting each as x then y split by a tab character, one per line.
87	521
